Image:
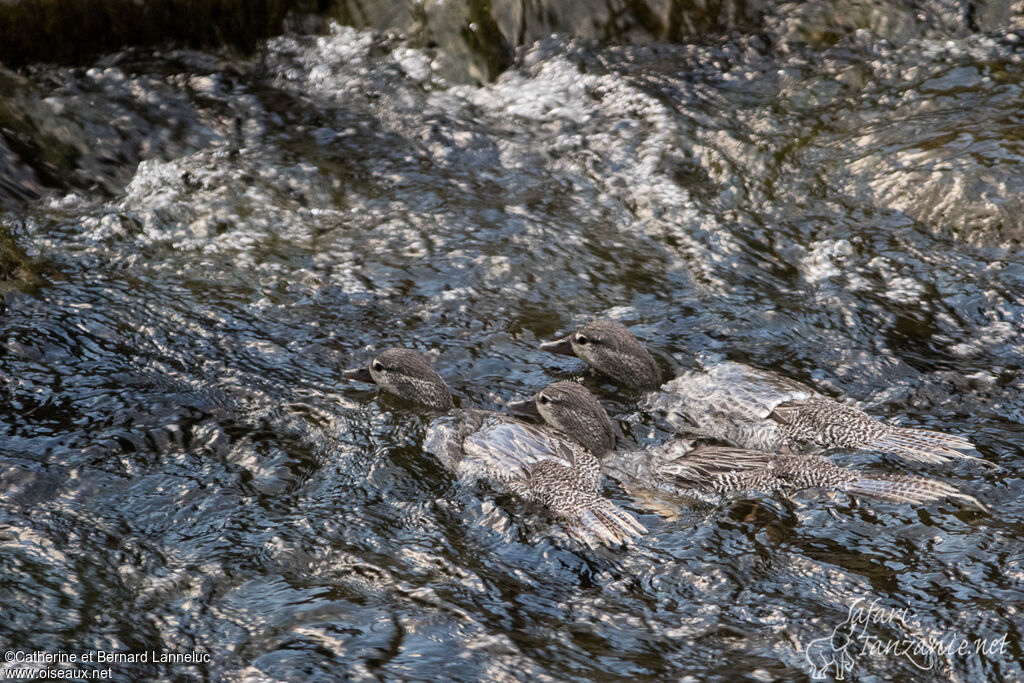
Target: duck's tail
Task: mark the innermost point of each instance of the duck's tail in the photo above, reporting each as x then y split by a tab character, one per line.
922	445
601	522
725	471
904	488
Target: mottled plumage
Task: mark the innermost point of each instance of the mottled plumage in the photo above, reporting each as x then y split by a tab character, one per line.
406	374
755	409
609	348
723	470
675	467
538	464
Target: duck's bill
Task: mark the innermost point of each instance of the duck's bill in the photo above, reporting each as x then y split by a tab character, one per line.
361	374
561	346
526	408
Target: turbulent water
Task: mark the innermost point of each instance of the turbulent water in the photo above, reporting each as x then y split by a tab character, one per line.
185	470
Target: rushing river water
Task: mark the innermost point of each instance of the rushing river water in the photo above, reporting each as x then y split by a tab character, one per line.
184	469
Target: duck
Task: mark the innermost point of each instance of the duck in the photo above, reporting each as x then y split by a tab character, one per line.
678	468
537	464
747	407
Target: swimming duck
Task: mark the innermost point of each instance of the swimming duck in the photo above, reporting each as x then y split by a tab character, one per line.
676	467
537	464
748	407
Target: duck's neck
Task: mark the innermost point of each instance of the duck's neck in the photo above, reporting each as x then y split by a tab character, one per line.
435	395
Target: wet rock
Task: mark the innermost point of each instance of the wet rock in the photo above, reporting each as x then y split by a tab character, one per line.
17	270
41	30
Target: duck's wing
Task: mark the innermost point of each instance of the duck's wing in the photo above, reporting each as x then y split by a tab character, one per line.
578	504
703	465
445	436
537	464
737	390
602	522
830	424
906	488
732	470
727	401
492	446
923	445
516	443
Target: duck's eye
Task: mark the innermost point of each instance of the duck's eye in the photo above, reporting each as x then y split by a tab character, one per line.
544	400
581	340
378	366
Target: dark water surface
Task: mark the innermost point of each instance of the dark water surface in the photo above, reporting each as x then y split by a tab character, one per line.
184	469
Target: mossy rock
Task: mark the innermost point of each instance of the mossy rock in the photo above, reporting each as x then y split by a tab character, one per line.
17	270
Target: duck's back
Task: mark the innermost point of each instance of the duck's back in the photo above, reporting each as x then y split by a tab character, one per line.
477	444
761	410
728	401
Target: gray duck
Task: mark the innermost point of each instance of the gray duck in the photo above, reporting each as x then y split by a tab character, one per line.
536	463
675	467
747	407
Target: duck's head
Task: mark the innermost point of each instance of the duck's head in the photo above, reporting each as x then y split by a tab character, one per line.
569	407
612	350
406	374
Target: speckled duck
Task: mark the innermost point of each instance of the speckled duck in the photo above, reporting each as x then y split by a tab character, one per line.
674	468
533	462
748	407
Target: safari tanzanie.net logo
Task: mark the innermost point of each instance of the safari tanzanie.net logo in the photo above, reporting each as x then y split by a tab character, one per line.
857	639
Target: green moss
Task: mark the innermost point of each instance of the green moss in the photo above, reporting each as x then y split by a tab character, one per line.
17	270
